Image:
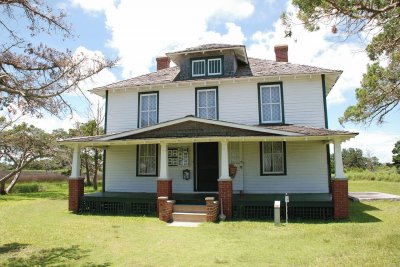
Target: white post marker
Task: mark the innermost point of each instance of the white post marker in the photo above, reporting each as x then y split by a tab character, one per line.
286	202
277	212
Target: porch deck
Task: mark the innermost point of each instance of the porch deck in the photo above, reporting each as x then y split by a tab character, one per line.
245	206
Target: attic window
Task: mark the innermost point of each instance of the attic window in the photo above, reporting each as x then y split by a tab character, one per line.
214	66
198	68
207	67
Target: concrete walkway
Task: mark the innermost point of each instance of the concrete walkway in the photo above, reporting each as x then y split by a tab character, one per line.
368	196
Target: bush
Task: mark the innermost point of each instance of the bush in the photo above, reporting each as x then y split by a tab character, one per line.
28	188
381	174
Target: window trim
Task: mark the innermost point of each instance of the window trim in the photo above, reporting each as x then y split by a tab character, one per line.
208	66
259	85
284	173
139	103
206	59
205	67
197	89
137	162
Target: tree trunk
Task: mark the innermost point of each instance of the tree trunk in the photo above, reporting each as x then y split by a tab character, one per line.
13	182
2	186
96	167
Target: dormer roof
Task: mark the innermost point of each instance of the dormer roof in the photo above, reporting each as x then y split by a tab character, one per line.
239	50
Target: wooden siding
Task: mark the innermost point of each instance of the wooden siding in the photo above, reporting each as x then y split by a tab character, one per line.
303	103
306	171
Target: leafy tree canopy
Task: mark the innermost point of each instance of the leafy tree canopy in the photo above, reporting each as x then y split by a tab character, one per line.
380	87
396	156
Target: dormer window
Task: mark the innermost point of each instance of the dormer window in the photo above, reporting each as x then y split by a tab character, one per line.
199	68
203	67
214	66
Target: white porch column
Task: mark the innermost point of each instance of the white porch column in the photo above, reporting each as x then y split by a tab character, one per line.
163	161
76	163
224	164
339	174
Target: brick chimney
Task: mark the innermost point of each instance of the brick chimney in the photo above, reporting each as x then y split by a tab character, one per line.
281	53
162	62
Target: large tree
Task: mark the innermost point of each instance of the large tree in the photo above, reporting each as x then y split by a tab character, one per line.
33	75
380	87
20	146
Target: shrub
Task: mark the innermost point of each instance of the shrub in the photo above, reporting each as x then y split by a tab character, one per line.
28	188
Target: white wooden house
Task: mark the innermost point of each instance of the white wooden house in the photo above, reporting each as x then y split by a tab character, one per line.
220	125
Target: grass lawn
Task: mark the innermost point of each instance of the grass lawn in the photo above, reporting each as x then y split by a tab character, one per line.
37	230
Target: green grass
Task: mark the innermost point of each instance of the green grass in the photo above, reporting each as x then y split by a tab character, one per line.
383	173
37	230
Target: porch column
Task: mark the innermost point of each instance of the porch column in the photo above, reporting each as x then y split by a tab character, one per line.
75	181
225	181
340	192
164	184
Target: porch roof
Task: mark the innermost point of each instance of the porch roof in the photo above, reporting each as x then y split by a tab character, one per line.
192	129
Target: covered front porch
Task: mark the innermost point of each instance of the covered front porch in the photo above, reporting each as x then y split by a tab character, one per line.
265	170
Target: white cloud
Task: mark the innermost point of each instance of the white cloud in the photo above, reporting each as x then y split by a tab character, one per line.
378	143
319	48
141	31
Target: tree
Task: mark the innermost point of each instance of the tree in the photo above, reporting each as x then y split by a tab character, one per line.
396	156
20	146
34	76
353	158
380	87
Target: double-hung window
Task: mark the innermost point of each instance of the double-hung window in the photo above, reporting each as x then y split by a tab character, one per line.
270	101
207	103
273	158
148	109
146	160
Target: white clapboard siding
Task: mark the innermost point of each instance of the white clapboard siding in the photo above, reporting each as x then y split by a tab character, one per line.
121	172
303	103
122	111
176	103
307	170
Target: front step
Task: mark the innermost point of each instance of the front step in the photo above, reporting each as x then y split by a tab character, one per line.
190	208
189	217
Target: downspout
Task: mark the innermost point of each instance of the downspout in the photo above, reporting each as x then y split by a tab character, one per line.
328	150
104	151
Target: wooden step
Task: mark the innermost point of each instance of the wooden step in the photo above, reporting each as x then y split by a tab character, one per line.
190	208
189	217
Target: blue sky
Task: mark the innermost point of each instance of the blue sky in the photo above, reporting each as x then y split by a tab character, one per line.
137	32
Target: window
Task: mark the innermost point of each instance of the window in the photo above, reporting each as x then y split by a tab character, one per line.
270	100
148	109
207	67
198	68
214	66
273	158
207	103
147	164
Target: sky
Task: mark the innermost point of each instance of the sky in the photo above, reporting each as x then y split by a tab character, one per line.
139	31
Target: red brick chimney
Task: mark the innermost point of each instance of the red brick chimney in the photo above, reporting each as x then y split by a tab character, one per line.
162	62
281	53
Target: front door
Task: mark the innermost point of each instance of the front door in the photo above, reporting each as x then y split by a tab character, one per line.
206	163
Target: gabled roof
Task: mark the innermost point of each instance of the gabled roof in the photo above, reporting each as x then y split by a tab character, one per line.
255	68
192	127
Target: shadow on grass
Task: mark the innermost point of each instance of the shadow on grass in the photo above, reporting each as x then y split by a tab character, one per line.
12	247
59	256
358	213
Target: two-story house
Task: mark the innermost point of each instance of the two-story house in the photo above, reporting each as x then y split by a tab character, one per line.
241	132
